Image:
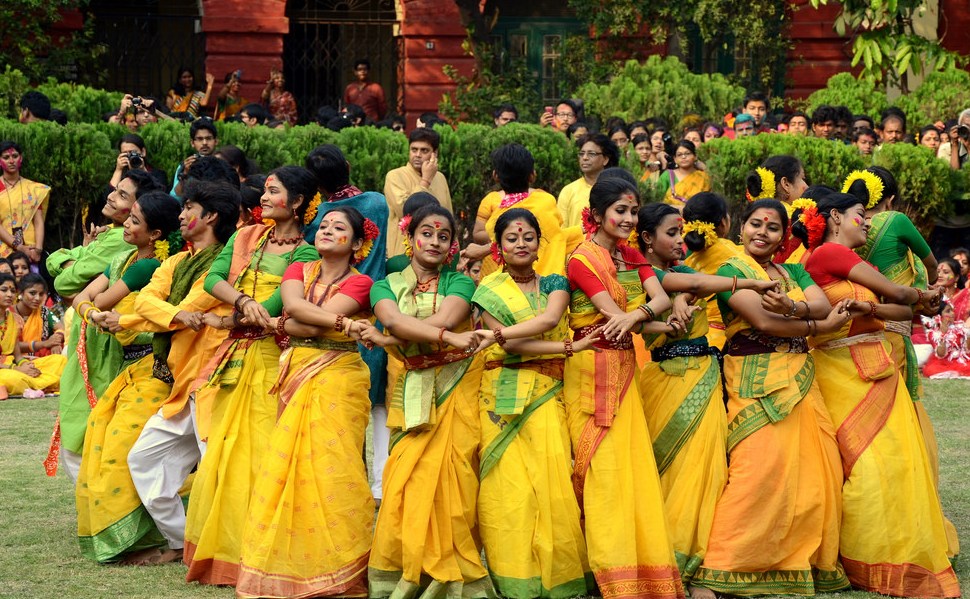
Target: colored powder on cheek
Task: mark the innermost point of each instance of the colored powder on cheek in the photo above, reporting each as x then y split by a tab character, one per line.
417	243
857	222
192	222
342	240
612	222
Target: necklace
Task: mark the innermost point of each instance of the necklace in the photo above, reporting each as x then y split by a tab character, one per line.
284	240
426	287
522	278
326	292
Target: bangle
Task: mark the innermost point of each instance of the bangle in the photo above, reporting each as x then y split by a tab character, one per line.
807	309
673	329
499	337
651	316
21	361
791	312
240	299
236	318
734	285
85	317
281	324
441	335
33	347
872	309
919	295
567	347
338	323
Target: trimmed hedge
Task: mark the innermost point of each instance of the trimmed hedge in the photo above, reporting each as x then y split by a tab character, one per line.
928	186
77	160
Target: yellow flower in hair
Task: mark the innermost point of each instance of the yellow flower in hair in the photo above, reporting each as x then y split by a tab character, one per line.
767	183
802	204
874	186
311	210
161	250
705	230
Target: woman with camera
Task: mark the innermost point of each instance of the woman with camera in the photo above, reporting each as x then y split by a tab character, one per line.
229	102
133	155
22	205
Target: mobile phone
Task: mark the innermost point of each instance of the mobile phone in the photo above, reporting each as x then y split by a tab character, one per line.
548	109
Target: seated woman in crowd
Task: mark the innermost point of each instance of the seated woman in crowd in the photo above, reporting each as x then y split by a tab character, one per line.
42	333
950	339
19	375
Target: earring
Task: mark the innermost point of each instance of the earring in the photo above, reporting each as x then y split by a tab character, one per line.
740	241
649	248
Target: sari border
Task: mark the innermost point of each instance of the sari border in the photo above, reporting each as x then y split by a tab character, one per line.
902	580
661	582
349	580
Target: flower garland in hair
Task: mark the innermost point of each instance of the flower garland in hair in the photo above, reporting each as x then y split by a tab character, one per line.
371	232
311	209
453	251
768	185
813	221
874	186
257	213
590	226
705	230
164	247
497	254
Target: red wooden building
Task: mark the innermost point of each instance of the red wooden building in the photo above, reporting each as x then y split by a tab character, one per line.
407	42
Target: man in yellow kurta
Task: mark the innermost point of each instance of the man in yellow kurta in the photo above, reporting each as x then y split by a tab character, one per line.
420	174
596	153
174	302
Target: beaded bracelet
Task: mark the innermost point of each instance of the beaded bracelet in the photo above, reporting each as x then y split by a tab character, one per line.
568	348
281	324
499	337
919	295
872	309
338	323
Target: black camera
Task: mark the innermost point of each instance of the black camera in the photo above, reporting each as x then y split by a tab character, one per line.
135	160
670	148
137	101
963	132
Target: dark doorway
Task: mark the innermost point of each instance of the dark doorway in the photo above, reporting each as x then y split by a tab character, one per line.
325	38
146	42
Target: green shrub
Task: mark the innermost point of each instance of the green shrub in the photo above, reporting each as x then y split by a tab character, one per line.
76	161
81	103
927	185
661	87
860	96
940	97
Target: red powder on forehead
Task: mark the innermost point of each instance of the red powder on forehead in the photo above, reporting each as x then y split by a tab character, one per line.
437	224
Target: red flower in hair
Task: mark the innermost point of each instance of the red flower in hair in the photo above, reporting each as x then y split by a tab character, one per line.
370	229
404	223
590	226
497	254
453	251
815	225
257	213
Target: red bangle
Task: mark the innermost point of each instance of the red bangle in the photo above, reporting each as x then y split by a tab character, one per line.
919	295
441	335
568	347
499	337
338	323
872	309
281	324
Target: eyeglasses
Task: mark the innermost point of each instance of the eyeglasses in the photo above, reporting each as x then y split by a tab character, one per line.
565	115
590	154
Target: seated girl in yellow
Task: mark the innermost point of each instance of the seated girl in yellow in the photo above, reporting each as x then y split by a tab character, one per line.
18	374
42	333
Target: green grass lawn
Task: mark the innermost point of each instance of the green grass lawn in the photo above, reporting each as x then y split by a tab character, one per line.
39	555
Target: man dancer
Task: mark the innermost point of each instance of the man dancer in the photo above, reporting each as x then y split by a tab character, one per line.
176	304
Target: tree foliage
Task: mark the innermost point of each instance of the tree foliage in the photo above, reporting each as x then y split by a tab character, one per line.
886	42
27	44
861	96
660	87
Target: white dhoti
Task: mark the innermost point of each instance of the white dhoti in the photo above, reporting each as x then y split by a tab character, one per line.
382	438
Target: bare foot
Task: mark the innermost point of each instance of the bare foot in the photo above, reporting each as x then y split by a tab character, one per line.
141	558
701	593
168	556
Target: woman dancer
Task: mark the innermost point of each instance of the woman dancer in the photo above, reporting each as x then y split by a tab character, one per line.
776	524
893	536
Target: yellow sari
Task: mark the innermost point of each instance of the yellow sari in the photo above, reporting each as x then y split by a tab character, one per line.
684	405
614	473
18	205
708	261
527	510
111	519
679	191
554	240
236	414
776	525
15	381
893	537
426	540
312	497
